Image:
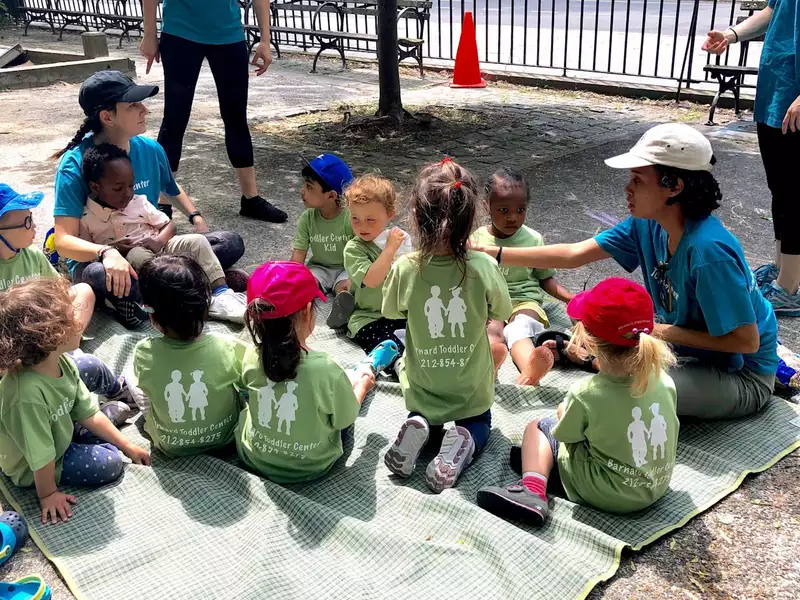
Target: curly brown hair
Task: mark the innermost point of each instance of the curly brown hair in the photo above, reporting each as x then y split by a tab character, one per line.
371	188
36	317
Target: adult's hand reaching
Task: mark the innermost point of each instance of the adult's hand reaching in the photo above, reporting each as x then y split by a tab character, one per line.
718	41
262	58
149	49
118	273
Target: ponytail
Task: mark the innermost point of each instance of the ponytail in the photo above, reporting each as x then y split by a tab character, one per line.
651	357
277	341
643	361
91	124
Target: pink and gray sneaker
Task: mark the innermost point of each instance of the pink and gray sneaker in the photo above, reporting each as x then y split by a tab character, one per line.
402	456
456	453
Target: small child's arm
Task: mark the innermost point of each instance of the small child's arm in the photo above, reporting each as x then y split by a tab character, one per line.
165	234
555	289
99	425
55	504
299	256
380	268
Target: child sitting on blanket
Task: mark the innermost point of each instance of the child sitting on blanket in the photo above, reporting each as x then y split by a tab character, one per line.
324	229
21	261
613	445
300	400
508	199
190	377
446	373
42	394
369	256
114	216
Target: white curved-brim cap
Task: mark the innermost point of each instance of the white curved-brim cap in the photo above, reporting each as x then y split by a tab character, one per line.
671	145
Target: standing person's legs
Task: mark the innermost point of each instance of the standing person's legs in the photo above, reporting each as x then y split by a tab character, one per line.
126	309
705	392
182	60
779	153
229	65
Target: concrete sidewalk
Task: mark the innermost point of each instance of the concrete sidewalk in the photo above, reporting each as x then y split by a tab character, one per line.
559	139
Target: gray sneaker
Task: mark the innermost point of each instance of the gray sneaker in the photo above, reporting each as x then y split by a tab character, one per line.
130	395
402	456
456	453
514	502
342	307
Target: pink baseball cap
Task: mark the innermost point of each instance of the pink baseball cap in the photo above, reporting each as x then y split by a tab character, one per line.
286	285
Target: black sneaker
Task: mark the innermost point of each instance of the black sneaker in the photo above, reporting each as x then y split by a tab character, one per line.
342	307
237	279
514	502
128	313
258	208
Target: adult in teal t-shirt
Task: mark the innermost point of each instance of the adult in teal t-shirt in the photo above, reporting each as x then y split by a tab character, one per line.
706	301
777	115
194	30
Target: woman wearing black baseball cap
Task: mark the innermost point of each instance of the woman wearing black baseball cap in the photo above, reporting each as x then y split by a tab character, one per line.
115	113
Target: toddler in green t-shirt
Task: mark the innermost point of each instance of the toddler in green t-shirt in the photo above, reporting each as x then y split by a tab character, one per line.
190	377
369	256
447	293
42	394
613	445
508	199
324	229
300	401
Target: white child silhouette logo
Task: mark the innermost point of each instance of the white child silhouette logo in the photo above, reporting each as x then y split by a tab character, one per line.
434	307
174	394
658	431
637	437
287	406
456	312
198	396
266	398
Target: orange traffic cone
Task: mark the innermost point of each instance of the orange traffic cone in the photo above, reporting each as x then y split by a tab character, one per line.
467	73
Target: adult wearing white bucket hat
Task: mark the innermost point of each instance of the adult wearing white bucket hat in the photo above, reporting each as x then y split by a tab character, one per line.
702	288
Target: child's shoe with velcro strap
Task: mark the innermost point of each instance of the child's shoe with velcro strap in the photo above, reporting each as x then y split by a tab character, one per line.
401	458
456	453
514	502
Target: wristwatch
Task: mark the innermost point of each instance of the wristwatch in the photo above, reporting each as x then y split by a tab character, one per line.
194	214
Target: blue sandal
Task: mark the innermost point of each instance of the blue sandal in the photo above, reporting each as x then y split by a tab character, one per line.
13	534
32	587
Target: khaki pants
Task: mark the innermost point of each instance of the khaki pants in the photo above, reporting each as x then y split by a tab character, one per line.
193	245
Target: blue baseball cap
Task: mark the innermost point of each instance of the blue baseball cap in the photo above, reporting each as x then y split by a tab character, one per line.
332	170
11	200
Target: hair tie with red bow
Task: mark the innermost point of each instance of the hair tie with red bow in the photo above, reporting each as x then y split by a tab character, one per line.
446	160
457	185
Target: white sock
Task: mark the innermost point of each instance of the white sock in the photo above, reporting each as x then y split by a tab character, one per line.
789	277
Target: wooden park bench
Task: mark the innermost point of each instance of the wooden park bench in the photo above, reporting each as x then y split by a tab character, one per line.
329	22
731	77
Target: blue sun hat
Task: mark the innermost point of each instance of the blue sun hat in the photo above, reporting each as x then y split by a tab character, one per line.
11	200
13	534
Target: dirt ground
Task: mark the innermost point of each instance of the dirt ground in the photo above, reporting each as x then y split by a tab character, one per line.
748	545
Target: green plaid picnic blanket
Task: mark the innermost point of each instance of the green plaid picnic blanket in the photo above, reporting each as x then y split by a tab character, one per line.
203	527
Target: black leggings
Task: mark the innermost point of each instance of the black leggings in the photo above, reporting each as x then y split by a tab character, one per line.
372	334
182	60
780	154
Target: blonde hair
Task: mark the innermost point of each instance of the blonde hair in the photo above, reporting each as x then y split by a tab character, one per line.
371	188
643	361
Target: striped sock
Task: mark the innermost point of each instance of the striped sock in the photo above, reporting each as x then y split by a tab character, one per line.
536	484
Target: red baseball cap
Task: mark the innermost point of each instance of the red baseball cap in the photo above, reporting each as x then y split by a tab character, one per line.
288	286
616	310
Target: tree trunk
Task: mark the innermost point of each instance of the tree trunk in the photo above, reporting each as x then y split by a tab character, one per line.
390	104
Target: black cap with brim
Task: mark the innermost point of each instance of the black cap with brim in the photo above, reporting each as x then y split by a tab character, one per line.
106	88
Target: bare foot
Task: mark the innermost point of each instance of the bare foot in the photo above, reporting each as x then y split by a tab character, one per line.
499	354
539	364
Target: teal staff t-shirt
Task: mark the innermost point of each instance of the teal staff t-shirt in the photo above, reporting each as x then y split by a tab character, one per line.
214	22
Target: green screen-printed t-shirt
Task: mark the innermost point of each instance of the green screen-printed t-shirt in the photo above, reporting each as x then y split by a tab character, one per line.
325	238
617	452
36	419
194	405
523	282
29	263
291	430
447	372
358	258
